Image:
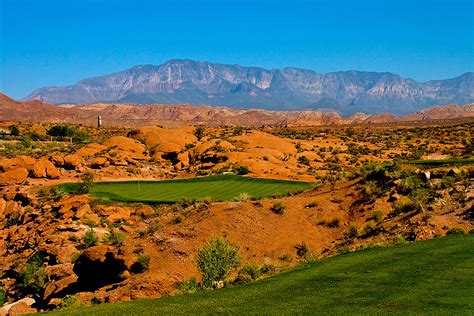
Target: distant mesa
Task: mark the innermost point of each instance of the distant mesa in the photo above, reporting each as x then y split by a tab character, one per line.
130	115
205	83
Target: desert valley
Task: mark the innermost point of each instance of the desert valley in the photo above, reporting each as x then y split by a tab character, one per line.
73	233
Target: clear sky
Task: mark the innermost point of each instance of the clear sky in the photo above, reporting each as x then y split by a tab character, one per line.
58	42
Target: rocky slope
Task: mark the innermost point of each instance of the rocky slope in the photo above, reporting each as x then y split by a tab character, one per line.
196	82
167	114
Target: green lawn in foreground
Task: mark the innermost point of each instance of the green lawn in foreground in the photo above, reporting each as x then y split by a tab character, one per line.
434	277
217	187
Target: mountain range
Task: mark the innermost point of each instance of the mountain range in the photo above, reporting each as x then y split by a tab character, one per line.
287	89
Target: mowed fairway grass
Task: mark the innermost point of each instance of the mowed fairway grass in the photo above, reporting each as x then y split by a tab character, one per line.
219	188
434	277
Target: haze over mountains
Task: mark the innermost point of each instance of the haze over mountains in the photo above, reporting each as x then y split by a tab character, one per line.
198	82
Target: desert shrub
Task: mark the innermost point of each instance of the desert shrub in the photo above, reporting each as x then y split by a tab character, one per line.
304	160
115	238
286	257
216	260
14	130
53	193
447	182
32	278
377	172
278	208
142	263
302	250
333	223
199	132
90	239
87	182
351	232
378	217
153	227
26	142
243	170
267	268
372	190
312	204
186	201
410	183
421	195
238	130
405	207
248	274
67	301
177	219
3	296
190	285
81	137
456	231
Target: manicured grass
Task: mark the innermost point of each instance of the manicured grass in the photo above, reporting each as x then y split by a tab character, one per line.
432	277
219	188
442	162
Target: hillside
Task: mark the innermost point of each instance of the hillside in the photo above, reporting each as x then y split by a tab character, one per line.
361	283
170	115
197	82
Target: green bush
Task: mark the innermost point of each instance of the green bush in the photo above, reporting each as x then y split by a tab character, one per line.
243	170
216	260
378	217
248	274
115	238
14	130
333	223
67	301
142	263
302	250
447	182
90	239
87	183
456	231
278	208
3	296
61	131
190	285
32	278
26	142
405	207
304	160
351	232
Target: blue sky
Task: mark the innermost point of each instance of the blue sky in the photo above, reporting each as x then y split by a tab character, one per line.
58	42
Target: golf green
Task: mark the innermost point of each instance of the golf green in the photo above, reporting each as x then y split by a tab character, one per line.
219	188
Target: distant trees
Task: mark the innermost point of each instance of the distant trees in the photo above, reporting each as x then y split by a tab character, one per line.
68	131
14	131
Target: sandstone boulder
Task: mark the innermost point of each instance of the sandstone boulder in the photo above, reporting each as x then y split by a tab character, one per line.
90	150
15	176
99	162
18	162
45	169
60	276
125	147
72	161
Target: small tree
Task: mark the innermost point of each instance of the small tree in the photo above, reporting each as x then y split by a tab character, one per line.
14	131
216	260
87	182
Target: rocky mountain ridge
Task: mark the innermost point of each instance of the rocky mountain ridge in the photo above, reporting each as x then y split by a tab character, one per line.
199	82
